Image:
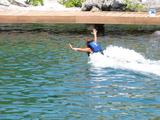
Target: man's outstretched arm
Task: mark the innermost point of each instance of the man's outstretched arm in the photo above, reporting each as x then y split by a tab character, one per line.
81	49
94	35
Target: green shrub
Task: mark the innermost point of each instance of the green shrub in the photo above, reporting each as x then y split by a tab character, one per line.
72	3
134	5
34	2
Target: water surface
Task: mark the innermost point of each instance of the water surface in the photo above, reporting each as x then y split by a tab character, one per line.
41	78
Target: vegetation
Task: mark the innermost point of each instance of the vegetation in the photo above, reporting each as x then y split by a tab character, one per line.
134	5
72	3
34	2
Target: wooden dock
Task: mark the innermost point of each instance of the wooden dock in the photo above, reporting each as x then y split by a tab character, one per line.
78	17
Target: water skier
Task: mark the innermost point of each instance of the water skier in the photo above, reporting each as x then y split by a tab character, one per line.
92	45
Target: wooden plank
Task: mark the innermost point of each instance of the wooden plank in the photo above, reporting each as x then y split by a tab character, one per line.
119	18
78	17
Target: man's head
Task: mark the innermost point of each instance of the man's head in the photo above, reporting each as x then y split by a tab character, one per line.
88	39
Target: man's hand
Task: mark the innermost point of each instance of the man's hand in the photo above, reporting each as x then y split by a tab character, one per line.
75	49
94	32
70	46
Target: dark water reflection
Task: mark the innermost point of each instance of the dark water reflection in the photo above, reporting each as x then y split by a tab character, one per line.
41	78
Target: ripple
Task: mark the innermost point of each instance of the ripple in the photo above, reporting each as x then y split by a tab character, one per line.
43	79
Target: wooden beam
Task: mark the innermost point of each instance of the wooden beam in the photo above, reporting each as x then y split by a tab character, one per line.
78	17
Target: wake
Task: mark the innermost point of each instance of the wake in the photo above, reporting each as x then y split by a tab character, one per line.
122	58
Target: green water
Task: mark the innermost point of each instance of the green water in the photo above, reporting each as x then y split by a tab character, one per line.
42	79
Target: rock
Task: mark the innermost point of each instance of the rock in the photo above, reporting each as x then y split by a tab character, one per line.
4	2
86	7
118	5
18	3
13	2
88	4
95	9
104	5
113	5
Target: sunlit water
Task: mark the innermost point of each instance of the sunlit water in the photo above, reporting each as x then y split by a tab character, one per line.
41	78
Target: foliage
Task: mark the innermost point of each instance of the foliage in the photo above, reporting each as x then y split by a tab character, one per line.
72	3
34	2
133	5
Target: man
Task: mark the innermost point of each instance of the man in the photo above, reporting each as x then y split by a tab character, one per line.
92	45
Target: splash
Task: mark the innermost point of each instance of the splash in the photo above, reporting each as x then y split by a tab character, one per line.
122	58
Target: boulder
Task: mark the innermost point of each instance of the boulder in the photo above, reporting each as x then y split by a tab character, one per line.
111	5
89	4
18	3
95	9
4	2
104	5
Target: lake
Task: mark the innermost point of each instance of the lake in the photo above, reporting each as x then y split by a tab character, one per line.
41	78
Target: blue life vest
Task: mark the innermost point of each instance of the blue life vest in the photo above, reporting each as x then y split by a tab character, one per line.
94	46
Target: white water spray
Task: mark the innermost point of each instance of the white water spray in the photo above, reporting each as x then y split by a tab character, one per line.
122	58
